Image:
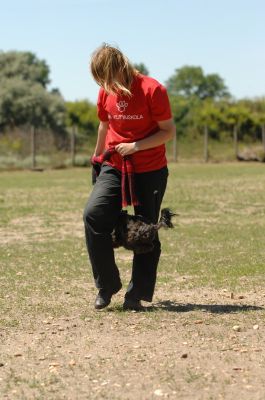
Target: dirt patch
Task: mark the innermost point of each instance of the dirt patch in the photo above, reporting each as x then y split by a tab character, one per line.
196	344
40	229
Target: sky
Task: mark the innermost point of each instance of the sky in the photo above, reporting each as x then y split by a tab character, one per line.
222	36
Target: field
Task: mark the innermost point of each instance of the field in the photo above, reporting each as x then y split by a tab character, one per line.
202	338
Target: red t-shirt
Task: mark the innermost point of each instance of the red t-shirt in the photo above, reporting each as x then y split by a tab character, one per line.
134	118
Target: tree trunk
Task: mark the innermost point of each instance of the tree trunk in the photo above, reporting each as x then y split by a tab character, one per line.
206	150
263	136
73	136
175	148
235	135
33	147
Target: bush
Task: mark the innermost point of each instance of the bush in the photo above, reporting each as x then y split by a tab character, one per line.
80	161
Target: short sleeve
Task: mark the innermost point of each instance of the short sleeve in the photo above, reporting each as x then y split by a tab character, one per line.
160	107
102	113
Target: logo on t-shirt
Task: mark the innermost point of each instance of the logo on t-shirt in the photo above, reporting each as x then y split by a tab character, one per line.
121	105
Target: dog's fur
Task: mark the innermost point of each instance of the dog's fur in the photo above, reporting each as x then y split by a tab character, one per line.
134	232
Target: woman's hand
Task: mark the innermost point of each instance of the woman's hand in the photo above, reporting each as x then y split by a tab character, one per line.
166	132
124	149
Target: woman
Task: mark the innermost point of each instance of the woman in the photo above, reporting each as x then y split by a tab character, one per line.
135	122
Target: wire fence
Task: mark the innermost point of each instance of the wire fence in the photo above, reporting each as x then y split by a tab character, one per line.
27	147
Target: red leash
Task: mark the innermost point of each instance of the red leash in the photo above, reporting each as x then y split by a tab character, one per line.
127	176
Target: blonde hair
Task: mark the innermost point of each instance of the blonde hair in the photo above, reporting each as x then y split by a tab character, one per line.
112	70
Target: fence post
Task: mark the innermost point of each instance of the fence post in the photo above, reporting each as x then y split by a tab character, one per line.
235	135
206	150
263	136
73	135
33	146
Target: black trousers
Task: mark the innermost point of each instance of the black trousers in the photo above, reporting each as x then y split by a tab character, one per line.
100	216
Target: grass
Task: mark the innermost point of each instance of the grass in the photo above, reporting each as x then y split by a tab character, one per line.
46	290
218	239
191	149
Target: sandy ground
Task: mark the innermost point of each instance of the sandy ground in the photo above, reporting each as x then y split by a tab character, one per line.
189	344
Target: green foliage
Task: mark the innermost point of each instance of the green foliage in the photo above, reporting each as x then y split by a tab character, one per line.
185	82
194	97
183	113
80	161
24	98
213	87
141	67
9	145
189	81
235	113
82	114
198	100
209	114
257	109
24	102
223	115
24	65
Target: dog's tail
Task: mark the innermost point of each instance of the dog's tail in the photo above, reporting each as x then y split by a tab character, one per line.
165	219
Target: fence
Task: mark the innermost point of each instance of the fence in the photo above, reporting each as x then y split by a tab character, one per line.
254	151
27	147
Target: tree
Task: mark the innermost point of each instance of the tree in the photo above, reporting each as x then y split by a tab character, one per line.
24	98
190	81
141	68
208	117
25	102
213	87
256	122
82	120
235	115
83	114
24	65
259	117
185	82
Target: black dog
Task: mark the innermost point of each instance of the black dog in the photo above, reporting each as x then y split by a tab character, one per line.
134	232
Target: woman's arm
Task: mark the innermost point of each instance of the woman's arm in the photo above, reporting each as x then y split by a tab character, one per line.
102	132
167	131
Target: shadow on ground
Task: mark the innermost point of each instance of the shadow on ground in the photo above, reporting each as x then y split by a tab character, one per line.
172	306
212	308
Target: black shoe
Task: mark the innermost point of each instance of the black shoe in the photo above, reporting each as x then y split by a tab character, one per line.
132	304
103	298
